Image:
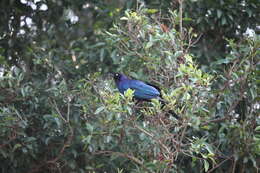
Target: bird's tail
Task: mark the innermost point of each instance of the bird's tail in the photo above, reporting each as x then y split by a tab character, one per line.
169	112
163	103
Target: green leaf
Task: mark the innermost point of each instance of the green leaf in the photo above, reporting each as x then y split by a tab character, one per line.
30	139
100	109
245	160
89	127
223	21
257	128
72	164
151	11
219	13
206	165
209	148
16	146
2	98
57	121
252	158
102	55
148	45
222	61
123	18
129	110
87	139
129	93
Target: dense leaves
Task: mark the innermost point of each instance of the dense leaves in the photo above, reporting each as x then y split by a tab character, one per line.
61	112
218	20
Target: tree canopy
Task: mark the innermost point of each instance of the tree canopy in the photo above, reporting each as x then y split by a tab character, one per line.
60	110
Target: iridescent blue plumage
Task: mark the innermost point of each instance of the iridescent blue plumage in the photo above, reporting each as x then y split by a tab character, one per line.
142	90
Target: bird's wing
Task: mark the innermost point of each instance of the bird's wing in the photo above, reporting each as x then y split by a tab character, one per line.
148	83
143	90
156	87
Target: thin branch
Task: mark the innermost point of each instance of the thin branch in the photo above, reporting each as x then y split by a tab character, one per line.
136	160
234	166
128	156
152	136
181	28
58	111
66	144
8	142
218	165
232	107
182	136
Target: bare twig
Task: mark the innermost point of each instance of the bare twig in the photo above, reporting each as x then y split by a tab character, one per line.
134	159
152	136
12	138
58	111
66	144
181	28
70	137
234	166
232	107
218	165
181	138
128	156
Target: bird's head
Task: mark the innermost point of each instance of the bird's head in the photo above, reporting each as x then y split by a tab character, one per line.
119	77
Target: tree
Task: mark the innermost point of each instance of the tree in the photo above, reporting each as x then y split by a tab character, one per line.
60	113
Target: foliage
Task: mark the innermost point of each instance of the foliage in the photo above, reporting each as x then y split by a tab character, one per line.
218	20
60	113
65	125
66	29
59	30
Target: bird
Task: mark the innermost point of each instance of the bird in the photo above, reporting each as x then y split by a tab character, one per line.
142	90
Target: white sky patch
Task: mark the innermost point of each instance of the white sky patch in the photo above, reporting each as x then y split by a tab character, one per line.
73	18
250	32
86	5
43	7
28	21
256	106
1	72
22	23
33	5
24	1
22	31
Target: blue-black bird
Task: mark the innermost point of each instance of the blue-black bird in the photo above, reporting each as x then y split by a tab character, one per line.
142	90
